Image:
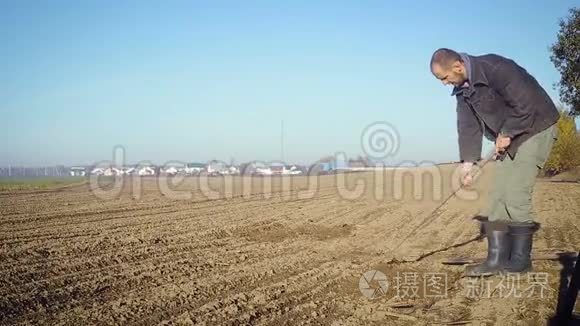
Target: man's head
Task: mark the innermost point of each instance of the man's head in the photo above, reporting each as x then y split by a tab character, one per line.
448	67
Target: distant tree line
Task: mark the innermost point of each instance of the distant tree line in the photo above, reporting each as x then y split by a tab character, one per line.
19	171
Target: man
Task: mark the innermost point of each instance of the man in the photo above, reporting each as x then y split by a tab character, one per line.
498	99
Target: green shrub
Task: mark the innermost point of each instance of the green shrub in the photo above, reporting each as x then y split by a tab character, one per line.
565	154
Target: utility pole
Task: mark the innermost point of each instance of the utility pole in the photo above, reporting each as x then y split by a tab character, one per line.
282	141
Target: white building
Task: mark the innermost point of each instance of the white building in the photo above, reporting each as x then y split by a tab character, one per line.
171	171
77	171
146	171
194	168
97	171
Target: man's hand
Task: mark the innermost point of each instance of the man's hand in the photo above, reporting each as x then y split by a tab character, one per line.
466	174
502	143
469	174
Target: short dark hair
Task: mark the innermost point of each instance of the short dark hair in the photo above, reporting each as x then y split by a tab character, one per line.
445	57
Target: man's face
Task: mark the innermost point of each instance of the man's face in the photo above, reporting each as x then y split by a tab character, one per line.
450	75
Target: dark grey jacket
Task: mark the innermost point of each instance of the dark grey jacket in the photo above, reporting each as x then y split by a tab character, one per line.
501	97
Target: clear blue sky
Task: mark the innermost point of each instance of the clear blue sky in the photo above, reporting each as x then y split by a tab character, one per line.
201	80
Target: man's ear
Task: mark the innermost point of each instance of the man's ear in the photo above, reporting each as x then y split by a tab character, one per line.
457	67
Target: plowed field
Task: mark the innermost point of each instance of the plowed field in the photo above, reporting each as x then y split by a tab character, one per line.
268	251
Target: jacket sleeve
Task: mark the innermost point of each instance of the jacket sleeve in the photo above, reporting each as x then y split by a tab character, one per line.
469	131
513	83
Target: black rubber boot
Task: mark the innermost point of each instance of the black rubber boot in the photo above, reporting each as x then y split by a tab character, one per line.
521	235
498	250
480	219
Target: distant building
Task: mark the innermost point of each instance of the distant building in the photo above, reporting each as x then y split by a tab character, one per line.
277	168
216	168
128	170
77	171
358	163
233	170
146	171
112	172
194	168
252	168
171	171
98	171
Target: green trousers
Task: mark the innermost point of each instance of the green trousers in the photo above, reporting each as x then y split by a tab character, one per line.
510	198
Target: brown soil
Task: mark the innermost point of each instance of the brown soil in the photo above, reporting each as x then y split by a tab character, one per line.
292	256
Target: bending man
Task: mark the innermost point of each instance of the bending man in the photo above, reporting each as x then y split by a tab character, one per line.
498	99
